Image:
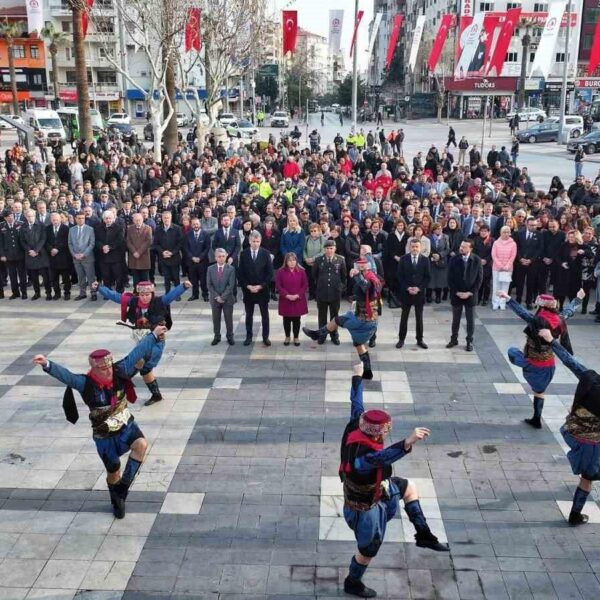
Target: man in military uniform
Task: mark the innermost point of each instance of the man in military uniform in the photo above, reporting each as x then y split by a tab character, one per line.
329	273
13	256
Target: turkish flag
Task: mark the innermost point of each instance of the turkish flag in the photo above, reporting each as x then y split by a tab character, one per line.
393	39
462	25
85	16
496	61
595	53
192	30
359	17
440	40
290	30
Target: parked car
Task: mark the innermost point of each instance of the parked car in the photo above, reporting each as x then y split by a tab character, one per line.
16	118
529	113
119	130
280	119
226	118
182	120
119	118
204	120
590	142
572	123
542	132
242	129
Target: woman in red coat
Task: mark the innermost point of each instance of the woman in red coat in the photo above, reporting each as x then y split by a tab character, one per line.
292	284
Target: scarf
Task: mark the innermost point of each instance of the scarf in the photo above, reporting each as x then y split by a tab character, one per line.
374	279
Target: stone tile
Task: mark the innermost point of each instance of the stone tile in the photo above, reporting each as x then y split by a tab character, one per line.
227	383
591	509
509	388
34	545
65	574
181	503
20	572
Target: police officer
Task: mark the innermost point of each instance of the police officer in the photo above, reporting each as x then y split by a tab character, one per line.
13	256
329	272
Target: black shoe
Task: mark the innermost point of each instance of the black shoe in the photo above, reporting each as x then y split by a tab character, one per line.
584	311
296	342
81	297
67	296
469	347
153	399
577	518
247	341
49	297
399	344
335	339
438	300
286	342
318	335
358	588
452	343
117	501
231	341
192	298
426	539
24	296
372	343
266	342
484	303
216	340
14	296
56	297
205	298
94	297
594	312
535	422
422	344
35	297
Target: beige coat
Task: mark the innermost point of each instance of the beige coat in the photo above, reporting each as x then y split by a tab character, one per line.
139	241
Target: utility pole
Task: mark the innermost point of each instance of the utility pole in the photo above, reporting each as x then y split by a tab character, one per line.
526	42
563	91
355	70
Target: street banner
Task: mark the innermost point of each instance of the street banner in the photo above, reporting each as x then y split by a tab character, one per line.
290	30
397	24
472	42
192	30
503	42
35	16
595	52
85	16
416	42
374	30
336	20
545	52
440	40
359	17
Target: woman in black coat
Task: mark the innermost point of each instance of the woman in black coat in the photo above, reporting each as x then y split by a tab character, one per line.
483	248
455	238
395	249
570	267
352	251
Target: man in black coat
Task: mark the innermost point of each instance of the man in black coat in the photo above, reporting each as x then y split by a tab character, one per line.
413	276
110	246
255	275
227	237
168	242
13	256
197	245
329	274
32	238
465	274
530	249
61	263
554	239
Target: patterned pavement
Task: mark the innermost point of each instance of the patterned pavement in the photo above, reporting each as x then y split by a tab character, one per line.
238	497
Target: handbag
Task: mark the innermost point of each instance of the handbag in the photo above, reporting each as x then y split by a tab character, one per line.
504	276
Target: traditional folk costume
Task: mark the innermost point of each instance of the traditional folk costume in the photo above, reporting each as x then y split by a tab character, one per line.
581	430
361	321
537	358
113	427
371	493
142	317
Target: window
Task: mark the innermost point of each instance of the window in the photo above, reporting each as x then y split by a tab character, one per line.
106	52
68	53
18	51
34	51
65	26
105	25
37	79
511	57
510	5
107	77
486	6
540	7
588	39
560	57
71	77
531	56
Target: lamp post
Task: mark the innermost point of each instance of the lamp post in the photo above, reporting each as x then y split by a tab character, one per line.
525	42
355	70
563	91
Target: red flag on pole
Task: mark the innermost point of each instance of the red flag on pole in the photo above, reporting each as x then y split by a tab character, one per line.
85	16
595	52
192	30
359	17
393	39
290	30
440	40
499	54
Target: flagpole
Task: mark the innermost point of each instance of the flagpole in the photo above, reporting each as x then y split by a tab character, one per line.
563	91
355	69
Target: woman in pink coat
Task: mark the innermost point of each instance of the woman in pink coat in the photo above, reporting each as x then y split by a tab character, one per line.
292	283
504	252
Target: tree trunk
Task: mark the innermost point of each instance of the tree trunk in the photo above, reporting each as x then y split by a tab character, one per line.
83	93
13	75
53	52
170	133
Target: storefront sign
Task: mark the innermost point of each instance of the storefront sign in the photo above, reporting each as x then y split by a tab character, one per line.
556	86
538	17
482	85
68	95
8	97
588	82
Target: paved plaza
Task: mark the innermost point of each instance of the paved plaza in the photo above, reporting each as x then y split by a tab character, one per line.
238	497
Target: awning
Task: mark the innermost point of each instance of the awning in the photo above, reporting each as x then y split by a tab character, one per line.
135	94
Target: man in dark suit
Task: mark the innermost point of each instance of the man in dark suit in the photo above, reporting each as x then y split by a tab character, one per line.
197	245
110	246
12	255
530	250
221	291
413	275
61	263
168	242
255	276
227	237
465	274
32	238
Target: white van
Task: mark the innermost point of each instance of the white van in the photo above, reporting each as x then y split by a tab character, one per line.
47	122
69	115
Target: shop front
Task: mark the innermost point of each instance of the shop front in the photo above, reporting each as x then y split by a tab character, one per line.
105	102
587	90
467	97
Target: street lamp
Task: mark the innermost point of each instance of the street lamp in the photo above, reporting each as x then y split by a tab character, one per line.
526	44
